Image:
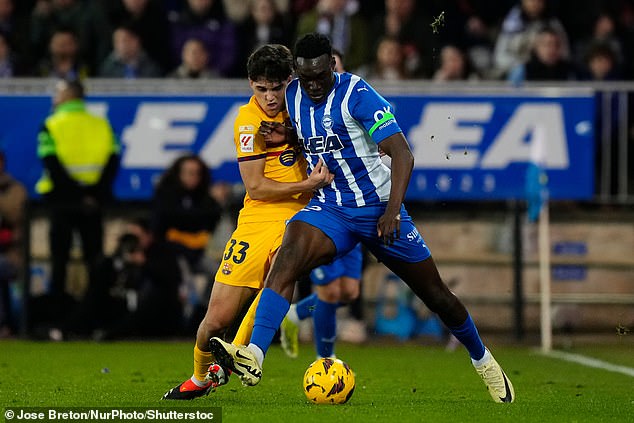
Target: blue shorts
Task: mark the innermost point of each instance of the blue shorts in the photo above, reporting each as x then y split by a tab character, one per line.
347	226
349	265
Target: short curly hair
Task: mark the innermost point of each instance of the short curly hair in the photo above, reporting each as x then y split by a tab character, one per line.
272	62
313	45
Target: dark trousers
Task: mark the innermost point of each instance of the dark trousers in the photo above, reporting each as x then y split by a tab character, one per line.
65	219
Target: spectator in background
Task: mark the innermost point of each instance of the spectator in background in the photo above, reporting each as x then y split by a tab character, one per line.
239	10
10	65
13	198
172	6
389	64
412	29
128	59
515	41
264	25
547	61
80	157
15	30
184	212
603	33
24	8
206	21
625	22
49	15
299	7
63	60
111	296
184	217
579	16
454	66
472	26
148	18
339	20
7	61
600	64
160	308
194	62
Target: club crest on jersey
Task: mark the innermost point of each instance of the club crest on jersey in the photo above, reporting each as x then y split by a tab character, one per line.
327	122
226	269
288	157
318	145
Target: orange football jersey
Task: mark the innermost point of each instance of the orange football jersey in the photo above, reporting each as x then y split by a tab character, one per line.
284	163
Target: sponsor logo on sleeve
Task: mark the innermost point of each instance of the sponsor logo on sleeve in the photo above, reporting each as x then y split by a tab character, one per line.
246	142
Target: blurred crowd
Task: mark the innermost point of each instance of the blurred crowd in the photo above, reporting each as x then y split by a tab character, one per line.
442	40
158	278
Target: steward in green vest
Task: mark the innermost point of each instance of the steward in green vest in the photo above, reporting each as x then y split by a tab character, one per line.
80	156
79	151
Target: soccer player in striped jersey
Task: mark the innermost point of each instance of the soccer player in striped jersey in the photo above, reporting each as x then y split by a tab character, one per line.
336	284
274	175
342	121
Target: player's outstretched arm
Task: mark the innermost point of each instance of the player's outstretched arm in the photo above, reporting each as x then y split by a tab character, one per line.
397	148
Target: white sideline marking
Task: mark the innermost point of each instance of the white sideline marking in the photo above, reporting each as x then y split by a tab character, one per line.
591	362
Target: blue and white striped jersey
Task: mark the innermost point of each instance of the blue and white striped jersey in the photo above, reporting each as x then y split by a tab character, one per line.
344	131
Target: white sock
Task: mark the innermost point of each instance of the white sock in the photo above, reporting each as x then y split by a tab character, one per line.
292	314
257	352
484	360
198	382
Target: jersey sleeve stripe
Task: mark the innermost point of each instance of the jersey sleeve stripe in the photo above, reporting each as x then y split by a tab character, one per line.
249	158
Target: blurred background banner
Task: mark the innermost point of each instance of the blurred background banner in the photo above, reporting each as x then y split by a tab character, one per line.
466	146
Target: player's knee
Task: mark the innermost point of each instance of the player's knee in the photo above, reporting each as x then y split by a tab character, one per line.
330	293
349	292
441	301
213	327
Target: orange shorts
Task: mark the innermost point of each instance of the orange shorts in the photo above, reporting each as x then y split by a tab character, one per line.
247	257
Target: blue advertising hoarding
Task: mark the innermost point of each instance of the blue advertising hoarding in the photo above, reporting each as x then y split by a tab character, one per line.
466	147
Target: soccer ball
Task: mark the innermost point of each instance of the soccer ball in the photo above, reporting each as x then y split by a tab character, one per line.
328	381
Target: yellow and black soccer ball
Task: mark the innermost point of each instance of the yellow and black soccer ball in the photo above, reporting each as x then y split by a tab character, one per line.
328	381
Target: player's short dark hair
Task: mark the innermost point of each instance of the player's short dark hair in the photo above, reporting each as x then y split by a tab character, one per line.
272	62
313	45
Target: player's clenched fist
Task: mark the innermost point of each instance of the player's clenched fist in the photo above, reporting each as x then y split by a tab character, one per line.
320	175
277	133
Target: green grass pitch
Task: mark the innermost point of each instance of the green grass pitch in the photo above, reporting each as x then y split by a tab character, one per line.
394	383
